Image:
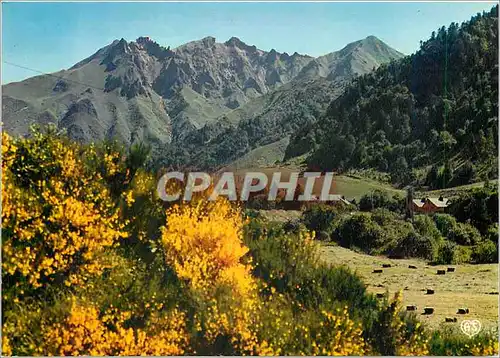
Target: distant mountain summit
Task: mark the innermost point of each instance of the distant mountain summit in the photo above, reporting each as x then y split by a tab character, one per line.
142	91
356	58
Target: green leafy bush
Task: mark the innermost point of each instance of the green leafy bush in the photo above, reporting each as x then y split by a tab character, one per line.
446	253
462	254
415	245
361	231
425	226
464	234
485	252
378	232
460	233
380	199
320	218
445	223
492	233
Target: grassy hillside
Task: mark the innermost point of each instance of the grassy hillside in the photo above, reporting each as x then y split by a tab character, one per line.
263	156
355	188
453	191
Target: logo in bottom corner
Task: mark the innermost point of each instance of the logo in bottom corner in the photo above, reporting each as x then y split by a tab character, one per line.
470	327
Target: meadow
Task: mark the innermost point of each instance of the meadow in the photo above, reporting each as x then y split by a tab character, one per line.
471	286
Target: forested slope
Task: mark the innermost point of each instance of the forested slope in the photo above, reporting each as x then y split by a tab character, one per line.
436	109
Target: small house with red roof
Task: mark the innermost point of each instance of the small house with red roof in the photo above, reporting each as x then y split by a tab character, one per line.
430	205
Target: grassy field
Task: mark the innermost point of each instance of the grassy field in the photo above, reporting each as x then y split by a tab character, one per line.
471	286
356	187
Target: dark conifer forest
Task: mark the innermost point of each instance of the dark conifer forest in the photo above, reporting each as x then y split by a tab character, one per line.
429	118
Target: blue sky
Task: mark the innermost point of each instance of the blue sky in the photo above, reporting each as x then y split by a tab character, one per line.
51	36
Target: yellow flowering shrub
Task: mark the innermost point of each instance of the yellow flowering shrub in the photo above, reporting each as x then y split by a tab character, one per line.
397	336
409	343
86	332
487	348
6	347
336	335
56	216
206	249
204	246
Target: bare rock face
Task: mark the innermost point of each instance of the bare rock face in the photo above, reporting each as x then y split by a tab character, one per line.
224	71
61	86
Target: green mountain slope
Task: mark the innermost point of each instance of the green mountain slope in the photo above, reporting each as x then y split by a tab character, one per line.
436	110
263	156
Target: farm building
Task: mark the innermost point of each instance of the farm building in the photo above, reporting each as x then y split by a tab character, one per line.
430	205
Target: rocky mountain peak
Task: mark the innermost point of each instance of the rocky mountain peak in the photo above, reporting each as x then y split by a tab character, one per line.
208	41
153	48
236	42
144	40
372	38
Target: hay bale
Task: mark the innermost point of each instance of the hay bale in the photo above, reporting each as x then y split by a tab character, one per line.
378	271
386	265
441	272
451	319
450	269
411	308
428	310
463	311
412	266
430	291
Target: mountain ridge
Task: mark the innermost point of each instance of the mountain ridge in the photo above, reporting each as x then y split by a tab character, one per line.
156	94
